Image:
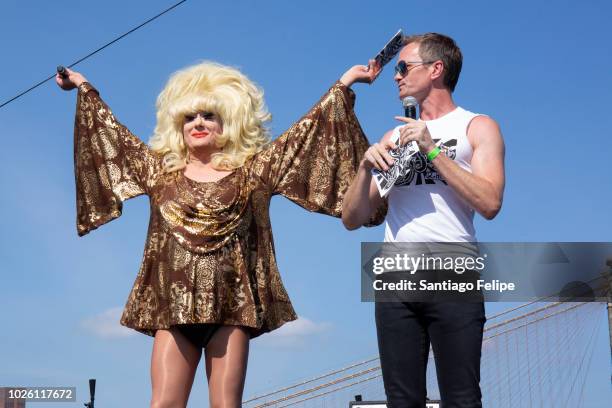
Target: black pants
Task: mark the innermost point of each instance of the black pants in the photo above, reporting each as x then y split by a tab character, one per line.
454	330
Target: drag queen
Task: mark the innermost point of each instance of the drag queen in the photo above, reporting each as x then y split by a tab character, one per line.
208	279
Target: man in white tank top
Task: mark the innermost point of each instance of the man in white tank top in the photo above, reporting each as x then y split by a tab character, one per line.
458	171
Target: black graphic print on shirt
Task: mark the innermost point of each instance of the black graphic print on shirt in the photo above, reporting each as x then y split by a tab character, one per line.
420	170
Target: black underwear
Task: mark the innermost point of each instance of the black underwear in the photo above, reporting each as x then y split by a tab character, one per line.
198	334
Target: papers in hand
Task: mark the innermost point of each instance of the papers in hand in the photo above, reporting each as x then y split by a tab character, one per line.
390	50
401	165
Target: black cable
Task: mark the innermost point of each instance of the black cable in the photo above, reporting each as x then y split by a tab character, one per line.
92	53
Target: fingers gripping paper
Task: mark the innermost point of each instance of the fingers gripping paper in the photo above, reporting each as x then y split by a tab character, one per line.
400	167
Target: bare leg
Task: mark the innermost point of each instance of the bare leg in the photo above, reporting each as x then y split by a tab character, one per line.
173	365
227	354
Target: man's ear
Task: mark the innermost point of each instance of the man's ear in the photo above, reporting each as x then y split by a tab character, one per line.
438	69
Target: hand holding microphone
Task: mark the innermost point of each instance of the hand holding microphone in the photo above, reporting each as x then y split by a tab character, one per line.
414	130
68	79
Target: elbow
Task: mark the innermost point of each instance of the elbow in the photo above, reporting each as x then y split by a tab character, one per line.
491	210
348	223
349	216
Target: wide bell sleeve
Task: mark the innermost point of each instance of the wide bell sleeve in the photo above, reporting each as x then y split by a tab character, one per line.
314	162
111	165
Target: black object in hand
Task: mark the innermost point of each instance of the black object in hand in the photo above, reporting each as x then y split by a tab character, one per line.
62	71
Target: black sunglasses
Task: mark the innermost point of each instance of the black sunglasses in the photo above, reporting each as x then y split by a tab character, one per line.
402	66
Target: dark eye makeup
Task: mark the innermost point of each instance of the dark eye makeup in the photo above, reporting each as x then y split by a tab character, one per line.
205	115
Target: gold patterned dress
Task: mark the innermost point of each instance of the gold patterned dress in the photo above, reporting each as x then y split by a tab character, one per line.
209	253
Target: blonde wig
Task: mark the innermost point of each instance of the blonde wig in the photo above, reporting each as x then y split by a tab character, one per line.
219	89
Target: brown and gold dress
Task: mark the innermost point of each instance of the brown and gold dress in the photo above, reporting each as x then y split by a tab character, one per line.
209	252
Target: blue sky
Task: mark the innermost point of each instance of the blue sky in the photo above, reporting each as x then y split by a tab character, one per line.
541	69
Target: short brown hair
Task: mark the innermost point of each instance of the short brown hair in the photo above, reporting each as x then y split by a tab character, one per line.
434	47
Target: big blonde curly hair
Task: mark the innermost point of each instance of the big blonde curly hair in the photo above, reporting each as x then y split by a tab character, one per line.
225	91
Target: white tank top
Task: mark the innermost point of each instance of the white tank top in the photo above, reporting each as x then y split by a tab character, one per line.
422	207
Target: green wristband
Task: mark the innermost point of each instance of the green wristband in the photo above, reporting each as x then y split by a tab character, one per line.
433	154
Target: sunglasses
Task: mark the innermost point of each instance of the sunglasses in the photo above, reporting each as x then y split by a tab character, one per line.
403	69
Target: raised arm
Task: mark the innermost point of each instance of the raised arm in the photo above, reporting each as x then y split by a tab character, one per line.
314	161
111	164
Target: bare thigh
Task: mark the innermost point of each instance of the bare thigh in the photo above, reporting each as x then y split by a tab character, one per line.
227	355
173	366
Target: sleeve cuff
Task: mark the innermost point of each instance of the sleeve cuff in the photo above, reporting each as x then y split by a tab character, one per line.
86	87
349	94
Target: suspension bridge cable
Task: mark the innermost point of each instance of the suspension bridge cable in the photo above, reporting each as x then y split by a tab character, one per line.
311	380
550	311
603	280
334	390
320	386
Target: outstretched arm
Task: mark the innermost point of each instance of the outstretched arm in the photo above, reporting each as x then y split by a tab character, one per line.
111	164
314	161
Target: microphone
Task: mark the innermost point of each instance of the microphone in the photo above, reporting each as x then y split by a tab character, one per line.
410	106
62	71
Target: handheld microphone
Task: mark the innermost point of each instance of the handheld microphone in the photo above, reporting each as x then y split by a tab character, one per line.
62	71
410	107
